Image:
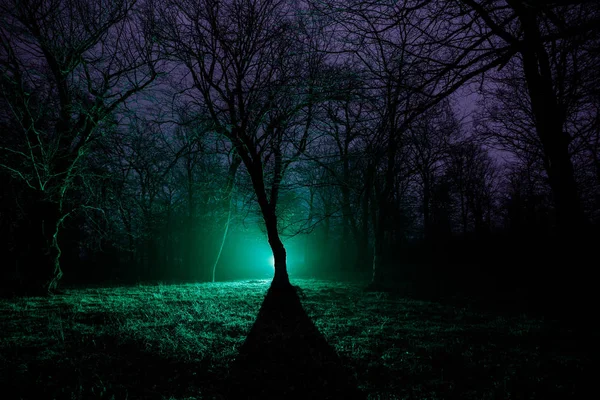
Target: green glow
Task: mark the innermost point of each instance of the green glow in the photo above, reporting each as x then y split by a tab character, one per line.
247	255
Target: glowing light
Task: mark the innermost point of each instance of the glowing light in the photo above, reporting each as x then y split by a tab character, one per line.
272	261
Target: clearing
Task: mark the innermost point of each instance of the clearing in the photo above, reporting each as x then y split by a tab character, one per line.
159	341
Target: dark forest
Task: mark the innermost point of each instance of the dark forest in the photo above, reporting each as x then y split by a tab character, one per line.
316	199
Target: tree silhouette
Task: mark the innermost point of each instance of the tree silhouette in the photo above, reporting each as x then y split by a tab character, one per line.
248	69
66	66
535	32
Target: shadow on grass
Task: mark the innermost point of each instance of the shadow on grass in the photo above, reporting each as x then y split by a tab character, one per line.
285	356
106	367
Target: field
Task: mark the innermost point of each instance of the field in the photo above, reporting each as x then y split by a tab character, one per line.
197	341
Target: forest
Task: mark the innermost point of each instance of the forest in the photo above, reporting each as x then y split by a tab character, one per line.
442	151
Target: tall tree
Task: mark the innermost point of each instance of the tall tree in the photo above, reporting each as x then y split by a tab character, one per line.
474	177
66	66
379	38
429	139
530	30
506	117
247	68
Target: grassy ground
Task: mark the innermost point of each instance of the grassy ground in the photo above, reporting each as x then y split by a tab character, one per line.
182	341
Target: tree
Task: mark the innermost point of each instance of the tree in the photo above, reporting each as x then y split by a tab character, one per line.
527	199
531	30
429	138
66	66
343	128
473	175
383	42
507	120
247	68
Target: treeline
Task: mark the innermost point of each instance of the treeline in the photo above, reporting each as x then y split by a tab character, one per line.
137	137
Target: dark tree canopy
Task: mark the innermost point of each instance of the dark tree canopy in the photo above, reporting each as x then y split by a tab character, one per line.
201	139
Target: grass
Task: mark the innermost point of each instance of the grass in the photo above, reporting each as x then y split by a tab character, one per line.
180	342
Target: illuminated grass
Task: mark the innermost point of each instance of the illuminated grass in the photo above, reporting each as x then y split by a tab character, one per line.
178	341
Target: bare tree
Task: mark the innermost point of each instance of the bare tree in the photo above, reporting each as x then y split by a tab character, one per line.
527	198
429	138
66	66
380	38
532	31
507	117
474	177
245	67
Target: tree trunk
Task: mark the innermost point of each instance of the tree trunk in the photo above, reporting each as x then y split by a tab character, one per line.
378	258
549	122
281	278
229	185
324	247
223	238
347	247
379	215
382	221
190	251
268	211
363	239
46	272
308	250
426	206
54	255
